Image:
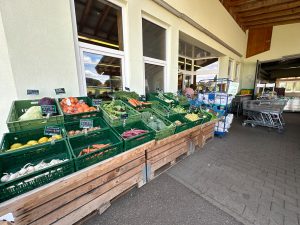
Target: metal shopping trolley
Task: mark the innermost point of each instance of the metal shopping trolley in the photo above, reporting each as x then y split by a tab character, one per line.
266	113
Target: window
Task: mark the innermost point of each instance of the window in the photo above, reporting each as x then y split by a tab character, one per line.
99	23
289	86
154	78
230	69
297	86
103	74
237	72
154	51
100	35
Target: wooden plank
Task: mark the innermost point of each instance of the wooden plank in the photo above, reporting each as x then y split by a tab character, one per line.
56	188
158	157
259	40
85	14
30	214
266	25
102	18
167	159
86	198
172	138
158	150
96	203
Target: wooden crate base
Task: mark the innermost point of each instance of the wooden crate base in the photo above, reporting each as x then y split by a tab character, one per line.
166	152
70	199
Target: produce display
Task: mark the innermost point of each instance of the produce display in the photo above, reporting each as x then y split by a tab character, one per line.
94	148
179	109
72	105
42	140
30	168
137	103
132	133
83	131
115	109
125	95
178	123
163	98
192	116
152	121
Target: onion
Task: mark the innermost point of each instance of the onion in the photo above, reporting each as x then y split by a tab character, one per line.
5	178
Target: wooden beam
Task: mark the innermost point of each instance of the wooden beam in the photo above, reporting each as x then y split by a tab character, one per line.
259	4
273	20
274	23
239	2
102	18
120	30
85	14
272	9
281	13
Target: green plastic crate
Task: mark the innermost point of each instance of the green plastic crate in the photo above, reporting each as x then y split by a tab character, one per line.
208	117
153	97
23	137
165	132
183	102
186	124
138	108
133	115
19	107
163	110
84	115
97	122
137	140
196	123
79	143
11	163
124	95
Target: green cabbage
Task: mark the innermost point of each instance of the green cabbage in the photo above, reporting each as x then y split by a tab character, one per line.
34	112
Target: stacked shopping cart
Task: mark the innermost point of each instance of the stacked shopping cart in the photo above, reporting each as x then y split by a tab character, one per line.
266	113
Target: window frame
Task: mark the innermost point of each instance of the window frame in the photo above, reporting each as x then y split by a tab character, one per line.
85	47
154	61
80	46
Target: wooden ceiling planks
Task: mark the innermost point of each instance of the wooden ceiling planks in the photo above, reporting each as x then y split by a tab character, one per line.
263	13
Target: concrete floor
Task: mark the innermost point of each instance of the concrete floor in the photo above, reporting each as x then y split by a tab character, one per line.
252	175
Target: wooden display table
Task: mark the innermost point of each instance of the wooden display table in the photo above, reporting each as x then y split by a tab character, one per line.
71	198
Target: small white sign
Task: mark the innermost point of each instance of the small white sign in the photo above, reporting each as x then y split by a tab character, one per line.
270	85
8	217
260	85
233	88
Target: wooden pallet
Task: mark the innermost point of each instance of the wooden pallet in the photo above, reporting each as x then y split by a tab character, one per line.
71	198
166	152
208	131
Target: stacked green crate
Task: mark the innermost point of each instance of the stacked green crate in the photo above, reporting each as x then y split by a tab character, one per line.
138	139
19	107
115	112
180	122
24	170
81	147
161	125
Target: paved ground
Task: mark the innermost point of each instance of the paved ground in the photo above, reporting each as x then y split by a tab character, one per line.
162	201
252	173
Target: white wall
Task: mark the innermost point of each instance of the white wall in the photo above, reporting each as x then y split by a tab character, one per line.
7	84
247	75
40	45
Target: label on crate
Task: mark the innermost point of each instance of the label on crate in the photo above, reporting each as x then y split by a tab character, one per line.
124	116
96	102
52	130
86	123
33	92
48	109
59	91
143	98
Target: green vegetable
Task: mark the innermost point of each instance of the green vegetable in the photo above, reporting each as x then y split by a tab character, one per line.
153	121
34	112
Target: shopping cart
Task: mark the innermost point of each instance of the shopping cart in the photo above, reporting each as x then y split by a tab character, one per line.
266	113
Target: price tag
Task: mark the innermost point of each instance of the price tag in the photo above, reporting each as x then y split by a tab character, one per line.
96	102
52	130
33	92
124	116
59	91
143	98
127	88
86	123
48	109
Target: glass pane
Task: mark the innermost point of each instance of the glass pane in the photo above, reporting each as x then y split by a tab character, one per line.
154	77
99	23
154	40
188	66
289	86
103	74
297	86
282	84
181	62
